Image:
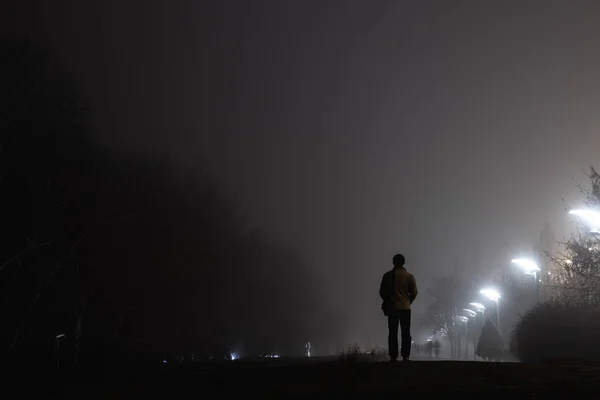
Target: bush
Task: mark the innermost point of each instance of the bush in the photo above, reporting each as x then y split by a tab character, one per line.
490	345
555	331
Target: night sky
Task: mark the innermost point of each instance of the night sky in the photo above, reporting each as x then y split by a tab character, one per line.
352	130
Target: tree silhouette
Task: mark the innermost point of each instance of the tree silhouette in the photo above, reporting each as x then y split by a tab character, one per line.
490	345
129	256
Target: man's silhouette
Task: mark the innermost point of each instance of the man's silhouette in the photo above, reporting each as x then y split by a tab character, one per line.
398	290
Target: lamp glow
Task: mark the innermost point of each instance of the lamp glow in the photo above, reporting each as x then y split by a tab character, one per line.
470	312
528	265
491	294
591	217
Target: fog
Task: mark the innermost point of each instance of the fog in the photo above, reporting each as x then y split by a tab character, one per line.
353	130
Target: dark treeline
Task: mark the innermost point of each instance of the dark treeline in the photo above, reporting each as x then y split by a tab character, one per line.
128	257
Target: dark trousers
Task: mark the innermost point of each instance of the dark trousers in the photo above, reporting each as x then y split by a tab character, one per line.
401	317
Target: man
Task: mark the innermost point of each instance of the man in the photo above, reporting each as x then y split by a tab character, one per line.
398	290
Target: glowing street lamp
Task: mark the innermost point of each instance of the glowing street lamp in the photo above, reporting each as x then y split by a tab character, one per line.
530	268
590	217
493	295
470	312
479	307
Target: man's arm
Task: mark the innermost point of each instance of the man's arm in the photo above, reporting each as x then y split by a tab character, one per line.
413	289
383	289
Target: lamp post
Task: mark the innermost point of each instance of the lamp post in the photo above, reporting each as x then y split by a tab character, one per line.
465	320
493	295
57	346
530	268
481	309
473	314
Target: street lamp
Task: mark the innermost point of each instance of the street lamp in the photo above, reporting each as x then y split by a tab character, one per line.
57	345
591	217
480	308
493	295
470	312
530	268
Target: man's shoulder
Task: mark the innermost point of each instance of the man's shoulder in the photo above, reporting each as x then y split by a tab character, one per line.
412	277
407	274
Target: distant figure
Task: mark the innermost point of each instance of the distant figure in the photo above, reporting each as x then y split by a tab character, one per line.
398	290
437	347
430	348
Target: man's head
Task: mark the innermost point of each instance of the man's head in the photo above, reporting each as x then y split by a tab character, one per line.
398	260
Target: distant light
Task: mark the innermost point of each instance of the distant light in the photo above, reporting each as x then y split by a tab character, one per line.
549	273
478	306
491	294
164	361
591	217
234	356
470	312
528	265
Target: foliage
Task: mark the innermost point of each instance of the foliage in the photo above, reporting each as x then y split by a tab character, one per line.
490	344
556	330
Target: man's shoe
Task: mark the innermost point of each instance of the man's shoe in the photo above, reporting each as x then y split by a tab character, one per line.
393	360
405	359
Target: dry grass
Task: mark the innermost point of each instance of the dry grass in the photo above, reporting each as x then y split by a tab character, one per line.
355	353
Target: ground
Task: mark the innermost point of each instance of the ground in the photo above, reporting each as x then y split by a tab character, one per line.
327	379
